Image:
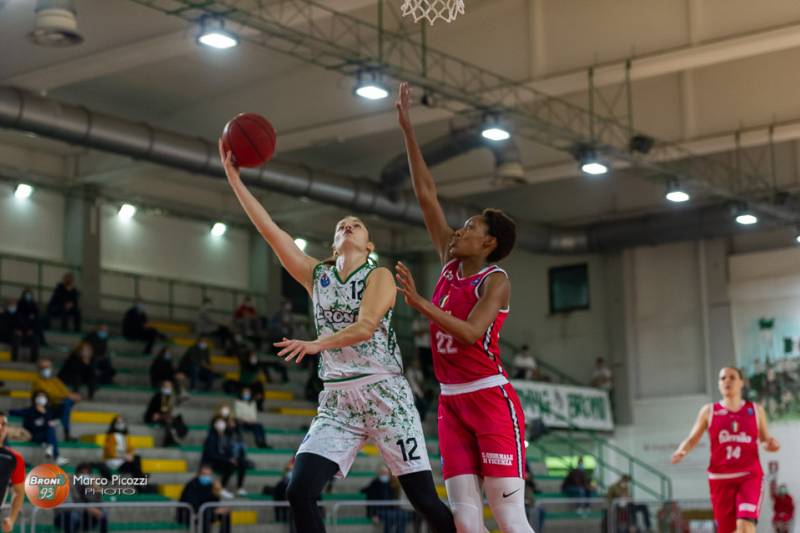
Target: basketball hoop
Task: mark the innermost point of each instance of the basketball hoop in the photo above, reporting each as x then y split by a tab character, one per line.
447	10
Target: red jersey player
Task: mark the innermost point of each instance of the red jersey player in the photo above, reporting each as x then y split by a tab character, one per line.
735	426
481	422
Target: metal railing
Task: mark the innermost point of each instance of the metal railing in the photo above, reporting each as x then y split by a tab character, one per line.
71	515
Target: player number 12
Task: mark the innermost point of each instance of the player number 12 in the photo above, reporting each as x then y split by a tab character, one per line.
412	444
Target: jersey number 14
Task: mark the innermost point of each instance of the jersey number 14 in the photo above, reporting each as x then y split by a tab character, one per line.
733	452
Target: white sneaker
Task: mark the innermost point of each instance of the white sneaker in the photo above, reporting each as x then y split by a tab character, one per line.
48	450
62	461
226	494
241	492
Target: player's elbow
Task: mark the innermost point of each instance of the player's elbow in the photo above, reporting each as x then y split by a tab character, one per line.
366	328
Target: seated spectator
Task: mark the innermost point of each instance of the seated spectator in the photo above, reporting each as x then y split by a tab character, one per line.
8	313
196	364
82	491
278	493
627	512
783	510
117	450
247	321
163	368
208	326
39	421
384	487
671	519
64	304
160	411
135	328
220	452
578	484
524	364
77	369
281	325
26	327
250	377
247	415
204	489
101	358
416	380
233	431
61	399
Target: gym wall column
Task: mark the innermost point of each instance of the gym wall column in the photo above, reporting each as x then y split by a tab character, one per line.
719	325
82	245
260	257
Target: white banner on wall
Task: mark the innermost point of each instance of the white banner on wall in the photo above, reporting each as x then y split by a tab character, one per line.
584	407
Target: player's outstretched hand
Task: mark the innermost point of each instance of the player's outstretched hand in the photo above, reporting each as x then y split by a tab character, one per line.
678	456
772	445
231	170
407	286
403	106
297	350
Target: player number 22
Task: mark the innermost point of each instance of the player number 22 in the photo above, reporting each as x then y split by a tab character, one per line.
411	455
444	343
733	452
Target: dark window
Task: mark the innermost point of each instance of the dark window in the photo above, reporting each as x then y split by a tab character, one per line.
296	293
569	288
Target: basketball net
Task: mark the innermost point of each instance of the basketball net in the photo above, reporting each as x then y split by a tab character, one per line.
447	10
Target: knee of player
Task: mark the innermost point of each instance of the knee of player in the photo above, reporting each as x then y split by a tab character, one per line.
467	517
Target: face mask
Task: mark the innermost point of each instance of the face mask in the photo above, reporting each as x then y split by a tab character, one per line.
102	334
580	467
383	478
28	297
167	356
12	309
246	397
166	392
86	354
219	425
119	426
140	307
225	411
47	372
254	360
41	400
204	480
201	345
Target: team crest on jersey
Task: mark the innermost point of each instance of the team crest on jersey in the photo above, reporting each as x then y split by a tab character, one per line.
750	411
325	280
448	275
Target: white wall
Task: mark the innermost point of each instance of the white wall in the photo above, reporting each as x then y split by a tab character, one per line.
32	227
170	247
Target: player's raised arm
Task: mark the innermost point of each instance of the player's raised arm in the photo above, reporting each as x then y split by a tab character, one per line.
422	180
294	260
770	443
700	426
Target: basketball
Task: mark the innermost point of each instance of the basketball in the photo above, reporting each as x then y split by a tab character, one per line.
251	139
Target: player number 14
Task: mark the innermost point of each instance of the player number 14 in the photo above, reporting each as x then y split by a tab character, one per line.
733	452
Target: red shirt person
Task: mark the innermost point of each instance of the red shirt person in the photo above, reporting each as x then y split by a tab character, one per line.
12	472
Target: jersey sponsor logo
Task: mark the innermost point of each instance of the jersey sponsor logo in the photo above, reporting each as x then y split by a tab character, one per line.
721	412
750	411
324	280
510	493
726	436
337	316
735	426
748	507
502	459
475	281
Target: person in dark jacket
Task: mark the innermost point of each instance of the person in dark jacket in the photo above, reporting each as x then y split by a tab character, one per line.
77	370
204	489
64	304
8	318
135	328
383	487
75	520
163	368
250	377
221	452
40	421
26	329
101	358
196	364
160	411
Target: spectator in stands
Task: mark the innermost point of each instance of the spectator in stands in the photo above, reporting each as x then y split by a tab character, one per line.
196	364
234	432
671	519
135	328
221	453
163	368
384	487
101	358
204	489
602	378
524	364
281	325
82	491
278	493
39	421
421	329
7	319
783	510
416	380
118	453
60	397
250	377
247	415
26	329
77	370
626	511
64	304
160	411
247	321
578	484
208	326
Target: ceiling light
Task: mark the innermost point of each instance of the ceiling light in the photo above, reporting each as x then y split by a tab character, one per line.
214	35
746	218
218	229
495	134
126	212
370	88
589	162
798	237
23	191
593	168
675	193
56	24
301	243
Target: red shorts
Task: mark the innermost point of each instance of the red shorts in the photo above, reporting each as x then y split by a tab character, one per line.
482	433
735	499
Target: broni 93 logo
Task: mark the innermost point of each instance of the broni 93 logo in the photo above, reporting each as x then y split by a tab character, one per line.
48	486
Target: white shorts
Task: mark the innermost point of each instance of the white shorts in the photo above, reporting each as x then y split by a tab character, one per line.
377	409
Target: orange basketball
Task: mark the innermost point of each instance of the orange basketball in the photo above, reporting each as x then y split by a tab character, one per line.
47	486
251	138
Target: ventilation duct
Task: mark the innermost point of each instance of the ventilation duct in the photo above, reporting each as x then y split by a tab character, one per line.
56	24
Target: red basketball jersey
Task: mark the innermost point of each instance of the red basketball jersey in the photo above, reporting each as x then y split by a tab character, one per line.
734	440
453	361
